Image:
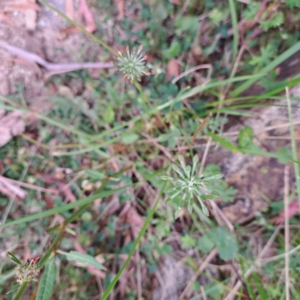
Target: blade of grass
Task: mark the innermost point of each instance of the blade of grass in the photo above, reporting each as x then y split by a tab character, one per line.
184	94
230	111
281	58
64	208
98	146
136	242
75	204
67	128
235	30
224	143
217	83
247	281
181	95
260	288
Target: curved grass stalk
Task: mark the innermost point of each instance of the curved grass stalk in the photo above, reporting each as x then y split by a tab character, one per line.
137	241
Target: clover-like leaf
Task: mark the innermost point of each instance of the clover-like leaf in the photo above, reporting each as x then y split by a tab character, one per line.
225	241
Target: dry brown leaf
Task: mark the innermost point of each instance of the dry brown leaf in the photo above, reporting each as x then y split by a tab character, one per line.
11	125
30	17
6	18
292	210
64	33
69	9
135	220
120	6
49	202
11	7
87	16
172	69
63	188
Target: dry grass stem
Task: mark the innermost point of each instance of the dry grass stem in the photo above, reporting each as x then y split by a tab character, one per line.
194	69
286	231
187	291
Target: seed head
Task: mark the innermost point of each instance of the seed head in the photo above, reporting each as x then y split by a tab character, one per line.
132	64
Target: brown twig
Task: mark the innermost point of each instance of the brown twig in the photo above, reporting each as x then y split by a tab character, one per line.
286	231
53	68
200	127
187	290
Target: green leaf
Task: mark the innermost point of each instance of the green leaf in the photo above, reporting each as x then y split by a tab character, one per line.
225	241
216	16
205	244
94	174
260	288
109	115
171	142
84	259
13	288
173	50
177	212
130	138
188	241
47	281
166	177
190	205
245	139
227	192
292	3
251	10
284	155
14	259
188	24
276	21
164	137
279	59
204	208
223	142
266	54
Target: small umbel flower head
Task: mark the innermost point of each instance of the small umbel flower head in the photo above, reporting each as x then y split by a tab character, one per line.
132	64
190	185
28	271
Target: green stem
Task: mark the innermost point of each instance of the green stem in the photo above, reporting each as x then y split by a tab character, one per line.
142	232
235	30
21	290
294	147
140	89
14	106
53	248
